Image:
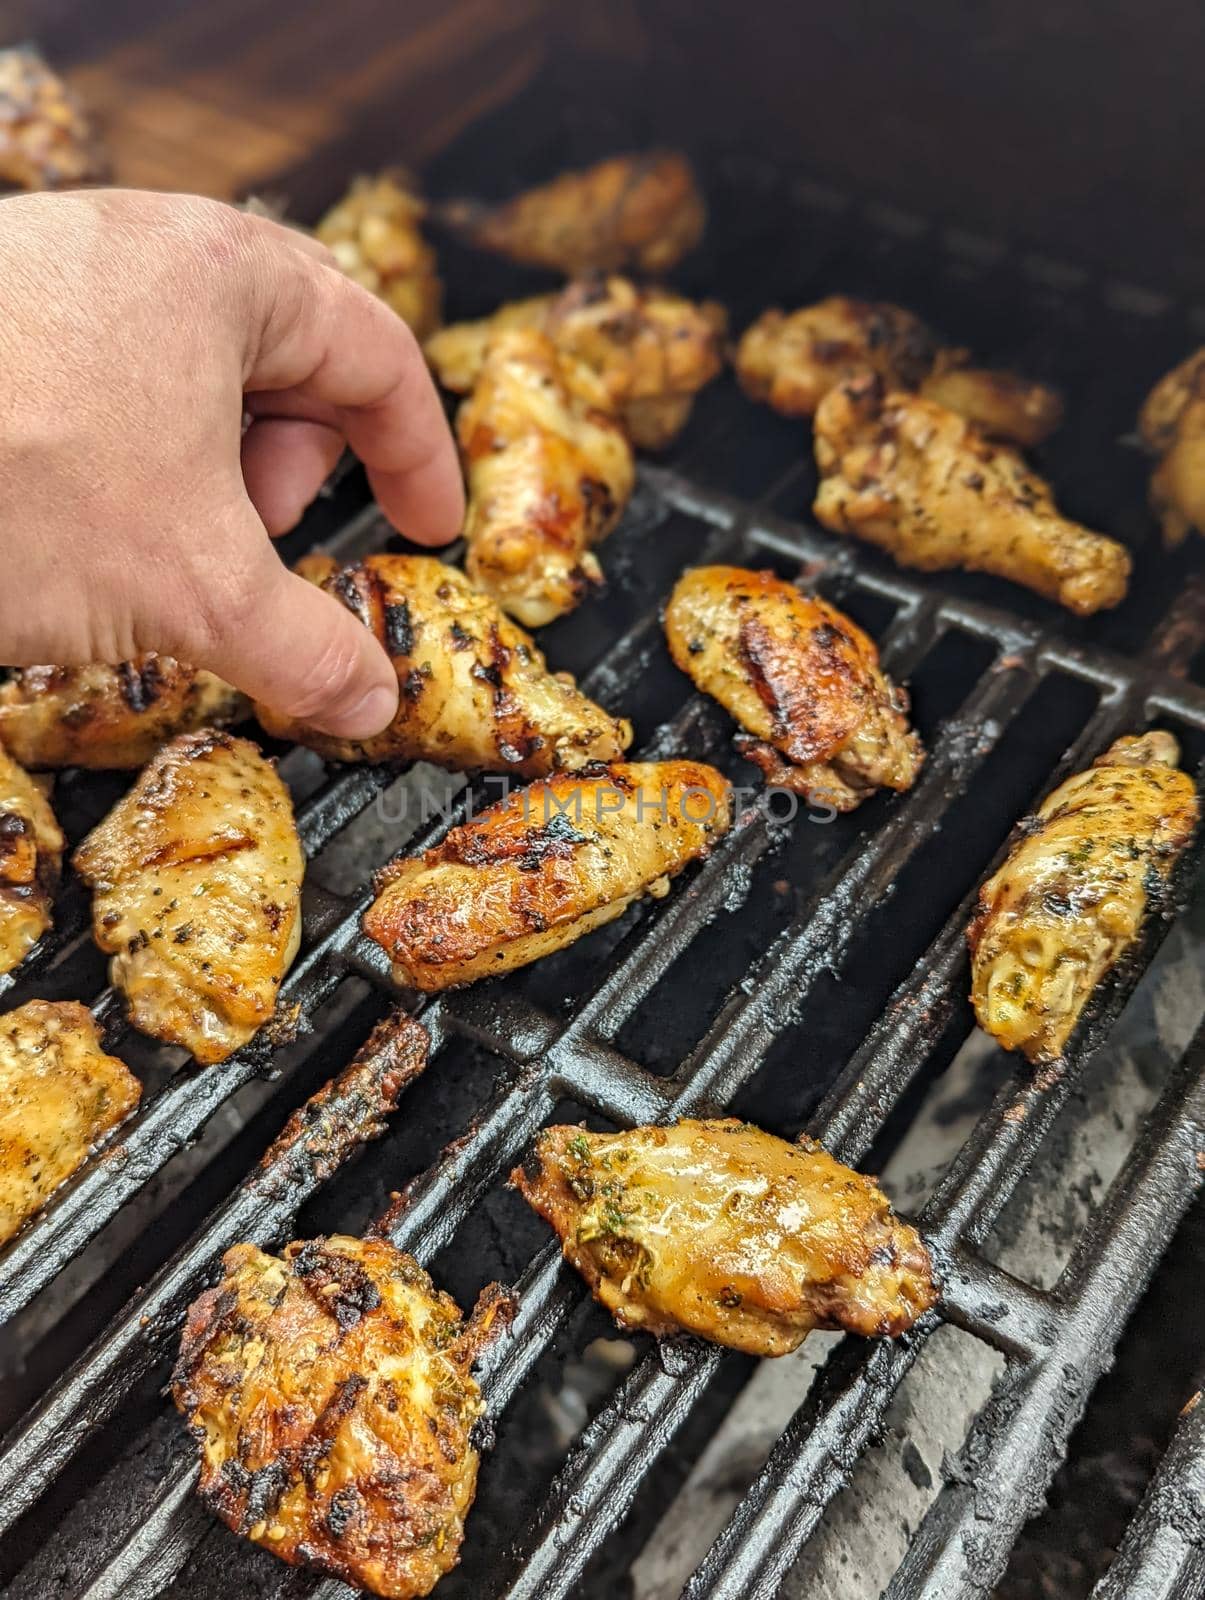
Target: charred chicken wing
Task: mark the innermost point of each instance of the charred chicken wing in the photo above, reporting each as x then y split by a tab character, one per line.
652	350
1172	425
549	473
330	1394
45	139
31	858
59	1095
929	487
721	1230
100	716
1070	899
792	361
475	691
635	211
196	878
802	680
543	867
376	235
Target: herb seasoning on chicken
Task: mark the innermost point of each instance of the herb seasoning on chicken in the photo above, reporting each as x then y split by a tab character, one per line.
196	877
804	681
31	859
1071	897
721	1230
330	1393
1172	424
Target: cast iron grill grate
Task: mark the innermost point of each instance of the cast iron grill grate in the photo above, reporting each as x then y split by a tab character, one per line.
1010	696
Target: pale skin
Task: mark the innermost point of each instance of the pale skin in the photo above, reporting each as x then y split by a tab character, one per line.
135	512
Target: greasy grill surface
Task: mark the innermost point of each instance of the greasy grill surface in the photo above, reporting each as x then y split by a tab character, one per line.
718	997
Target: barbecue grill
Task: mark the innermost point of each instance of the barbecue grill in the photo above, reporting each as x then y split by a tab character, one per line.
811	974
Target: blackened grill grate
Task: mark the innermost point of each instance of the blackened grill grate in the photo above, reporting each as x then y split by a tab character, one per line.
738	490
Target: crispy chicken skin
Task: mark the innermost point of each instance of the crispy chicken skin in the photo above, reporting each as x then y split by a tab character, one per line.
652	350
791	361
543	867
804	681
641	211
1071	897
721	1230
46	141
376	235
330	1393
31	859
549	474
924	484
1172	425
476	691
59	1095
108	717
196	878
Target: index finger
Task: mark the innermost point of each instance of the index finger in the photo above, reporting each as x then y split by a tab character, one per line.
331	345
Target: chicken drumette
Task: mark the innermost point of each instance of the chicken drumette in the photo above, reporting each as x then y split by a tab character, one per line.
476	693
549	473
100	716
196	878
59	1095
543	867
1172	424
31	858
641	211
1071	897
376	235
330	1394
801	678
721	1230
921	482
46	141
652	350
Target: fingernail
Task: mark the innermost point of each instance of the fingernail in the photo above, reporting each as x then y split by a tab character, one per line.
370	715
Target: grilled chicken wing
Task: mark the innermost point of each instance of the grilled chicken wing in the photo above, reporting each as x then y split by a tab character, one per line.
46	141
543	867
59	1095
721	1230
476	692
652	350
329	1390
101	717
31	859
634	211
926	485
802	679
1071	897
549	474
196	878
1172	424
376	234
792	361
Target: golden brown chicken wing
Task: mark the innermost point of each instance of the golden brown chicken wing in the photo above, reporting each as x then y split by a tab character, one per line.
1172	424
330	1393
926	485
804	681
376	234
99	716
1070	899
792	361
59	1095
476	692
549	474
46	141
721	1230
652	350
640	211
543	867
31	859
196	878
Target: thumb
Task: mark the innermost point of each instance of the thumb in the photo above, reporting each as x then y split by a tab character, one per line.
289	646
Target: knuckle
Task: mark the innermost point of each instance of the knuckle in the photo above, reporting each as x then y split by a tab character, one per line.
329	677
218	604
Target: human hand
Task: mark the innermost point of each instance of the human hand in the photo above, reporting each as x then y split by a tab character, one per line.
135	330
